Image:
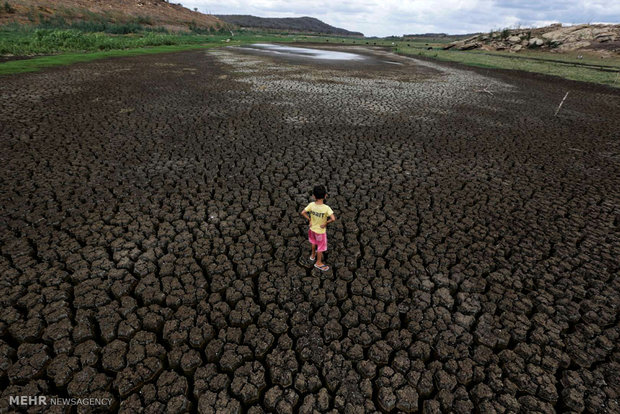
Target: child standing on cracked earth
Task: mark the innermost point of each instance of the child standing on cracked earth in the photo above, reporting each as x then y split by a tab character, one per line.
319	215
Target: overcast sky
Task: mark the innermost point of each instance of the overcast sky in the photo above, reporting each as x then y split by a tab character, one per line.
397	17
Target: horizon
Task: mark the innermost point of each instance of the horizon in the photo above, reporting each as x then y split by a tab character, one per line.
391	18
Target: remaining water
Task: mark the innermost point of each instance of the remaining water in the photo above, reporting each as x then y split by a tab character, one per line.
306	52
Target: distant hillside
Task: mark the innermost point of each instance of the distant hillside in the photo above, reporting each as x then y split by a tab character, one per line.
297	24
435	36
603	39
158	13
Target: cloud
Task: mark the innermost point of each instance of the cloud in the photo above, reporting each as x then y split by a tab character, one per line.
397	17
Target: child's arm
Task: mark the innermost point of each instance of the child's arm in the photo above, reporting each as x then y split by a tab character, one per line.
306	216
331	219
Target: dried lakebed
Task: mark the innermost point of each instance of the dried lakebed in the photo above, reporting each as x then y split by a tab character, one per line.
152	251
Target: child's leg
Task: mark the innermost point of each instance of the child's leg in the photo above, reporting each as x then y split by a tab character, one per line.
312	241
319	259
320	248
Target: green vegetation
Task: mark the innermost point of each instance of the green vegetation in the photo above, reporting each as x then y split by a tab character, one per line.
38	63
49	41
99	25
55	35
95	39
67	46
67	43
565	66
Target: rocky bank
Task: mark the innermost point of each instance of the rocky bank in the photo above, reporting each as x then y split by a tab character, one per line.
599	38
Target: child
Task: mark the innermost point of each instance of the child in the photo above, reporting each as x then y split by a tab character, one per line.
320	216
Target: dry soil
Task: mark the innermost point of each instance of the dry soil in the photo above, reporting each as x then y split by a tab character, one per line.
152	250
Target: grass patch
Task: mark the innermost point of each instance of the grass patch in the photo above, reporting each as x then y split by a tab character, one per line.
50	41
38	63
95	39
568	66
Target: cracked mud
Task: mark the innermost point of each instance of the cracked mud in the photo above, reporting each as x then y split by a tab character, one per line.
152	251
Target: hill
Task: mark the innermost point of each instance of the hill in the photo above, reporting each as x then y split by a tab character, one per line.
156	13
603	39
297	24
425	36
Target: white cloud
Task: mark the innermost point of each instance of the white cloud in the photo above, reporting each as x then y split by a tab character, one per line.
394	17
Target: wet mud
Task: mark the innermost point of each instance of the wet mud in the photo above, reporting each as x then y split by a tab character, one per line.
152	250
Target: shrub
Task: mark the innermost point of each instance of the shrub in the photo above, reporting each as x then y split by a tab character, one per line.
194	28
54	22
123	28
552	44
8	8
89	26
505	33
31	14
143	20
28	40
62	39
157	29
97	25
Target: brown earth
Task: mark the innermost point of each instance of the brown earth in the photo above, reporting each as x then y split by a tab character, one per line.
153	12
152	250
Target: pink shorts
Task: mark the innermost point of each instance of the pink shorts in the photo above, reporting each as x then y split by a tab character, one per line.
319	239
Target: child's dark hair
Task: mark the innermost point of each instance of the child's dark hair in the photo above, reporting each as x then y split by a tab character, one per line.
319	192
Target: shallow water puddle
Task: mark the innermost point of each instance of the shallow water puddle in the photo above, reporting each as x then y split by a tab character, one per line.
305	52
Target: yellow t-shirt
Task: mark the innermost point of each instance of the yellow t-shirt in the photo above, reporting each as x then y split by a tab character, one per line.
319	213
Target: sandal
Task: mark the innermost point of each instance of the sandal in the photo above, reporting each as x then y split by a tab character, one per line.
322	268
